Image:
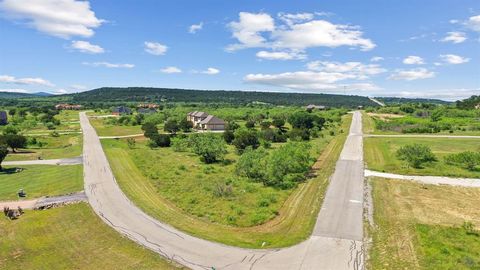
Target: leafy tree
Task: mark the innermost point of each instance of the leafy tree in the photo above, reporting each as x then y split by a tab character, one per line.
301	120
265	124
3	154
162	140
228	136
185	125
245	138
231	125
288	165
139	118
436	115
12	111
469	160
171	126
14	141
250	124
209	146
298	134
252	164
10	130
131	143
278	122
150	130
416	154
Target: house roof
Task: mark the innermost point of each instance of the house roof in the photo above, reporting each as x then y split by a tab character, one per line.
200	114
192	113
212	120
122	109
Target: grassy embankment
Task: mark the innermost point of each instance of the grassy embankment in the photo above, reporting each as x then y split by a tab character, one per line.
380	155
179	190
70	237
40	180
104	129
48	147
421	226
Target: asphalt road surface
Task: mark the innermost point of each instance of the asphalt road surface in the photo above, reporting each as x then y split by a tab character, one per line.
433	180
336	242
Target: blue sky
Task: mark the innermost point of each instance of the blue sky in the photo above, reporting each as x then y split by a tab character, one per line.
404	48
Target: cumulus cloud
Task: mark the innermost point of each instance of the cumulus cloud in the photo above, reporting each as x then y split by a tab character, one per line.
412	74
86	47
155	48
171	70
25	81
298	32
376	59
78	87
108	65
357	70
17	90
474	23
194	28
210	71
281	55
60	18
455	37
453	59
413	60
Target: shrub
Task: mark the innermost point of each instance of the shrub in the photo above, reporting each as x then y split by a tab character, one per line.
223	190
250	124
180	144
228	136
162	140
245	138
209	147
150	130
469	160
416	155
288	164
252	164
185	125
131	143
171	126
297	134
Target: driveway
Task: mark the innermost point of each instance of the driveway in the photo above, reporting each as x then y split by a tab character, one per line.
336	242
62	161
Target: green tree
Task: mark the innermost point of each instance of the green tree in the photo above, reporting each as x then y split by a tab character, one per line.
416	154
278	122
14	141
161	140
302	119
150	130
468	159
209	146
250	124
436	115
3	154
171	126
10	130
245	138
228	136
265	124
288	165
131	143
185	125
252	164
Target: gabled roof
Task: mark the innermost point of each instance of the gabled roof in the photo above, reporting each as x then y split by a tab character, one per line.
192	113
201	114
212	120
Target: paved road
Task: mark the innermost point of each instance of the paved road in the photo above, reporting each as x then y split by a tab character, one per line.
435	180
336	242
63	161
121	137
423	136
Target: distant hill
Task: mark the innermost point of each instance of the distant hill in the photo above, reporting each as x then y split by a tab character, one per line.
398	100
23	95
144	94
43	94
469	103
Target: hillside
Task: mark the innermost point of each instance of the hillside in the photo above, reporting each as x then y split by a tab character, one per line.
469	103
141	94
399	100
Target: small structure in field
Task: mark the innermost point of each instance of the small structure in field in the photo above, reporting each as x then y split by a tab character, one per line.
477	106
148	106
121	110
312	107
65	106
146	110
3	118
204	121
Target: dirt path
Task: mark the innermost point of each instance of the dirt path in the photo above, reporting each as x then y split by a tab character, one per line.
435	180
62	161
46	202
423	136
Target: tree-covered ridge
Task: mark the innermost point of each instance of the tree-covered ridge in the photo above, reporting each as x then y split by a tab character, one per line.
399	100
143	94
469	103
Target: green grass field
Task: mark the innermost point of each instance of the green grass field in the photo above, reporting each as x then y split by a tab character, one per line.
380	155
178	189
40	180
70	237
420	226
64	146
113	130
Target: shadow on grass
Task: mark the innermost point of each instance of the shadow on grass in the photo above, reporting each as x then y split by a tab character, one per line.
11	170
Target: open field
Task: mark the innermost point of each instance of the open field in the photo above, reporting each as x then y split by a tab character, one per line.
380	155
40	180
48	147
113	130
420	226
169	197
70	237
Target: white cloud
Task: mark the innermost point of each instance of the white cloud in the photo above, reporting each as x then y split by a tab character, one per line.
170	70
249	28
474	23
108	65
299	32
78	87
60	18
377	59
25	81
454	59
155	48
86	47
357	70
18	90
211	71
282	55
412	74
455	37
413	60
60	91
195	27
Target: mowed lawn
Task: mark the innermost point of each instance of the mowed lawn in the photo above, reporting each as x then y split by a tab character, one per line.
421	226
70	237
180	190
40	180
48	147
380	155
104	129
